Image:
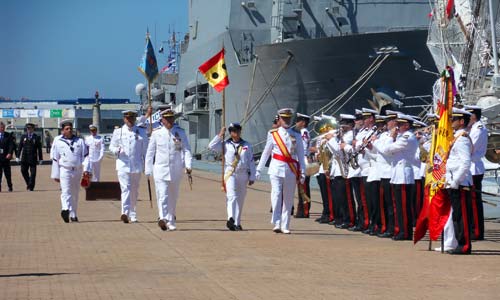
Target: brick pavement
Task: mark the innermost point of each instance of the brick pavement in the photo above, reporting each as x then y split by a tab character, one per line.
101	258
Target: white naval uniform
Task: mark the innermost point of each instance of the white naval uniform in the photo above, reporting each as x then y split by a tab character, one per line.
306	140
283	180
383	161
459	162
479	137
95	146
67	158
402	151
236	184
168	155
129	145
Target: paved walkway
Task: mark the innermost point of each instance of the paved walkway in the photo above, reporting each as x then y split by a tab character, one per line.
101	258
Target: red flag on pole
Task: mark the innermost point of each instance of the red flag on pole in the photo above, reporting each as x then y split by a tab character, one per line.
214	71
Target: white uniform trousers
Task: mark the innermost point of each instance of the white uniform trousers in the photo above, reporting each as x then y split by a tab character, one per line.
129	184
236	188
69	180
282	192
167	193
450	241
96	171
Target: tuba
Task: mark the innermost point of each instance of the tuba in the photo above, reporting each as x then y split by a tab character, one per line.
322	127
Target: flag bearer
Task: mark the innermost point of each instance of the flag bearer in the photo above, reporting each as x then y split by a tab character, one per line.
68	153
459	180
239	170
286	169
167	158
129	144
95	144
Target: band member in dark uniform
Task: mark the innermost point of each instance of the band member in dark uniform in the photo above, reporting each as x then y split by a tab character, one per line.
30	151
301	123
6	150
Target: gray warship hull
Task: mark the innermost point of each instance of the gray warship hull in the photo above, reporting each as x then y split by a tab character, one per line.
383	37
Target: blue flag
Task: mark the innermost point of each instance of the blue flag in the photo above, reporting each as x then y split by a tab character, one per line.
148	66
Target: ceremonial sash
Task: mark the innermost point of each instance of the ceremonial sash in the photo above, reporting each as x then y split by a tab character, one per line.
235	162
286	157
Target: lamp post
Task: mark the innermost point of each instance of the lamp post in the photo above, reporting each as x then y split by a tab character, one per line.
96	112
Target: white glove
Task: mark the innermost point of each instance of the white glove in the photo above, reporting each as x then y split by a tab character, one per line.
451	185
257	175
302	178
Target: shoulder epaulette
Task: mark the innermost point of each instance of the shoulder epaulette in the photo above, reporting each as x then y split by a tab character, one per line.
480	126
273	130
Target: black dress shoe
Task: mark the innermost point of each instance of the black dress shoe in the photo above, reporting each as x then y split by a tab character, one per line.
374	232
324	221
344	226
297	216
317	219
230	224
367	231
385	235
65	215
458	251
10	189
75	219
124	218
399	237
163	225
238	227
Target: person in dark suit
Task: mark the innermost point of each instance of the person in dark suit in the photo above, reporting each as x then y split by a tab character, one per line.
6	150
30	151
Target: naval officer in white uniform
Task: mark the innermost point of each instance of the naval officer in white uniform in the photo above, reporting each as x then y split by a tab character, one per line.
95	144
286	169
68	153
239	171
459	180
167	158
129	144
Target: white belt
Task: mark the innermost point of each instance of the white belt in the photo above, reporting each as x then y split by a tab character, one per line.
71	168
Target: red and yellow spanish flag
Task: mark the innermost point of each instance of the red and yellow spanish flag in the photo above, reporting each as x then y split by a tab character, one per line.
215	71
436	208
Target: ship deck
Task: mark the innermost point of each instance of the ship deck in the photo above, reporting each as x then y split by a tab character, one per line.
102	258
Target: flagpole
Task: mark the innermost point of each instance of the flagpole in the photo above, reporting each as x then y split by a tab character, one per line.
223	160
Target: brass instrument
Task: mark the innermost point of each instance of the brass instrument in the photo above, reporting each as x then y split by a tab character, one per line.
342	157
322	127
325	157
353	159
492	152
424	154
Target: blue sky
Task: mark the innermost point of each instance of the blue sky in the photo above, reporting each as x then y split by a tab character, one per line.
67	49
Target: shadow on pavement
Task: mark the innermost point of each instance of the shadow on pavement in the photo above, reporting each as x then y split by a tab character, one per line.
34	274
